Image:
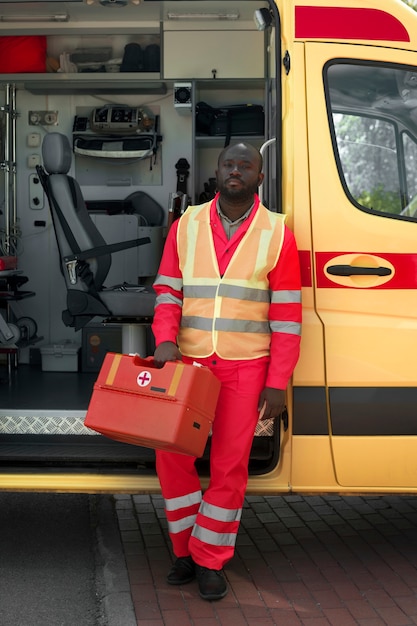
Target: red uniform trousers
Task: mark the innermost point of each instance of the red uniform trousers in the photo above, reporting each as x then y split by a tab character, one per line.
206	527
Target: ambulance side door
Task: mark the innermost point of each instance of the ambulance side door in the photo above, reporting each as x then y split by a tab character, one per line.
362	143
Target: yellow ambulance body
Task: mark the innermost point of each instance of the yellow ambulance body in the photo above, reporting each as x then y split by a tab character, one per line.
354	400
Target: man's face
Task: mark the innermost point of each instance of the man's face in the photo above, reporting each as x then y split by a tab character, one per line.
238	175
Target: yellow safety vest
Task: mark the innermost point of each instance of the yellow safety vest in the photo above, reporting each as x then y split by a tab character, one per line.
227	314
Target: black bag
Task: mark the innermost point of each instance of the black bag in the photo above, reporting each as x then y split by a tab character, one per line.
152	58
132	58
205	116
238	119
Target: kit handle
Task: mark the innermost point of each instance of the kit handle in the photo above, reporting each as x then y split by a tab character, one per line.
150	362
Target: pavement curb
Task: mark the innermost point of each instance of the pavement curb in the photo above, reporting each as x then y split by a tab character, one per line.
113	585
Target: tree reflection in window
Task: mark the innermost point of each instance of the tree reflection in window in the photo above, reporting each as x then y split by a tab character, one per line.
373	109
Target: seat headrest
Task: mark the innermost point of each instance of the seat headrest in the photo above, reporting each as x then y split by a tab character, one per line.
56	153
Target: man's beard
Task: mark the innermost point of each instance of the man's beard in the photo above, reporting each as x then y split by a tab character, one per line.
237	194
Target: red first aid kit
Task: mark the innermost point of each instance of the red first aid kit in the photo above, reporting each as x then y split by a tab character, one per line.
22	53
169	408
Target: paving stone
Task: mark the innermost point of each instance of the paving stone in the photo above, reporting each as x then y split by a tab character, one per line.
300	561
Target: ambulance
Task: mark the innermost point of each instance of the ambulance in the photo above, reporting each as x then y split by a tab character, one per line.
146	93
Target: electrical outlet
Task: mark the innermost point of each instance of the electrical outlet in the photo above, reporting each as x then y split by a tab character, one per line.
34	140
34	160
43	118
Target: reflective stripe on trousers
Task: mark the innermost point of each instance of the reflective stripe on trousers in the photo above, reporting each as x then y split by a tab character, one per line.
208	530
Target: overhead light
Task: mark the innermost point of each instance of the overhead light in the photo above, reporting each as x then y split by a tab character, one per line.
262	18
58	17
203	16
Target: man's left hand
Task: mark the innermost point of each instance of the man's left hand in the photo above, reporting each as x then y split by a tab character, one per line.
274	402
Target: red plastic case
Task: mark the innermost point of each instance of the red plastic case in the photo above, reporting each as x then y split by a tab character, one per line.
169	408
23	53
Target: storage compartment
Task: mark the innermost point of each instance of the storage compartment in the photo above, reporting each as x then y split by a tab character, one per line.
97	341
92	53
214	99
169	408
238	119
212	61
60	357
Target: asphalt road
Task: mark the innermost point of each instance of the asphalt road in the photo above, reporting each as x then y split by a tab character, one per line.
61	562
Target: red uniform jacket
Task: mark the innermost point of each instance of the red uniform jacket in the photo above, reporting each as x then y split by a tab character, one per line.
284	277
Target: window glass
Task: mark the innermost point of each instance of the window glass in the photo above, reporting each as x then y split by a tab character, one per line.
410	159
373	111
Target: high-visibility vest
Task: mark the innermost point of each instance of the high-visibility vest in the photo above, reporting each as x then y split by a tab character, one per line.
227	314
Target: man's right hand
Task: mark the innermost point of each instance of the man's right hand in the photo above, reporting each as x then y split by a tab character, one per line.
166	351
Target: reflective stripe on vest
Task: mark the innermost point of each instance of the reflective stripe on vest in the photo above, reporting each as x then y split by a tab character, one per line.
227	315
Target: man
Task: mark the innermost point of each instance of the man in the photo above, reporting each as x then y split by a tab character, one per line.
228	297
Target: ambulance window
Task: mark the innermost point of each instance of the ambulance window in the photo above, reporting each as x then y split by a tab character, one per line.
410	158
368	156
373	116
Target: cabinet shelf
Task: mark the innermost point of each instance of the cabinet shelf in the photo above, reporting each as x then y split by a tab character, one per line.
88	82
230	83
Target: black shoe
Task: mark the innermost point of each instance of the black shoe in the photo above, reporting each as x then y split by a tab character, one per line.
211	583
182	572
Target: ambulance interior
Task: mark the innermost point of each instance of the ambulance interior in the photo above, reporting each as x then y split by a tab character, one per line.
121	82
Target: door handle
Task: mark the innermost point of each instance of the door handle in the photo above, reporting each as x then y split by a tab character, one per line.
352	270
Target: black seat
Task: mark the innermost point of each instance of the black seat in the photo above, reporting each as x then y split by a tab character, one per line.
85	256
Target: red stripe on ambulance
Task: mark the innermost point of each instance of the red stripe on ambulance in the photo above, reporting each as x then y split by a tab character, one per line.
347	23
305	268
405	276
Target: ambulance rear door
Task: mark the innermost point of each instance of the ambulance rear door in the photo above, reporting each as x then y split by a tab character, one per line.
362	143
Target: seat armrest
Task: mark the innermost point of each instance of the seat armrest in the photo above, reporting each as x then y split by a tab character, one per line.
107	249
